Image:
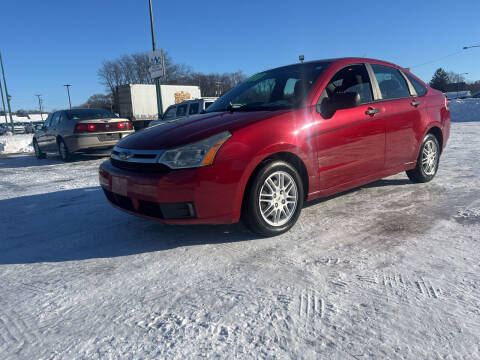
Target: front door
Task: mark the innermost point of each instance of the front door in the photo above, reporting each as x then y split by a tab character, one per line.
351	141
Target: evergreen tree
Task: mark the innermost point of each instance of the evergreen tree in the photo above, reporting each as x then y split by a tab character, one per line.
440	80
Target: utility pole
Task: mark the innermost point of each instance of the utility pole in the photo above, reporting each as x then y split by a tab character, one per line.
6	93
40	102
157	80
68	93
3	103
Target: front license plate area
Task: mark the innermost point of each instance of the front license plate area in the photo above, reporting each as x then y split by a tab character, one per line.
119	185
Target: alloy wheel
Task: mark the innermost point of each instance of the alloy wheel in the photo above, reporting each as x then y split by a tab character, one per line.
430	157
278	198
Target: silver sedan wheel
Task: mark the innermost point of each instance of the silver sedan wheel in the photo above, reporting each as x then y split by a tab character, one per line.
63	150
278	198
430	157
35	147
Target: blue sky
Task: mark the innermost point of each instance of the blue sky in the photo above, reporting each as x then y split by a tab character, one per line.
49	43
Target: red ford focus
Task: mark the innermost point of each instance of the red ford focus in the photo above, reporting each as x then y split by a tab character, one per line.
282	137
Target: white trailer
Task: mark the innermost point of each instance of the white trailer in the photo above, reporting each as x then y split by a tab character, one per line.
138	102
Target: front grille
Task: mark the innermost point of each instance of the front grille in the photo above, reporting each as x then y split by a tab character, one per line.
184	210
140	167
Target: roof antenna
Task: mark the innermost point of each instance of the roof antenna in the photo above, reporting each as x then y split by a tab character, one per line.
301	58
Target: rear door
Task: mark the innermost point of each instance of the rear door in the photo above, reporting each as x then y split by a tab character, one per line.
50	135
41	133
401	112
351	142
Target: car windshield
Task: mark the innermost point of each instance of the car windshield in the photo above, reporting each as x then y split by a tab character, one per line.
89	114
281	88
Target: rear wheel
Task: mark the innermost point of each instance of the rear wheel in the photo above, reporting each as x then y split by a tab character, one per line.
63	150
427	161
274	200
38	153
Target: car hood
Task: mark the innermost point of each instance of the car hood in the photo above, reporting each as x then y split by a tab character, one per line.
182	131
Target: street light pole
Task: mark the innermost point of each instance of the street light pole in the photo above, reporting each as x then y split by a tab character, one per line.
157	80
68	93
6	93
40	101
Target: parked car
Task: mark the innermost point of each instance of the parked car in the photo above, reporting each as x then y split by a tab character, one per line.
282	137
184	109
476	95
19	128
33	126
79	130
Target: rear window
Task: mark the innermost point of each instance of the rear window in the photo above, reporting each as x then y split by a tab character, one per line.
89	114
419	88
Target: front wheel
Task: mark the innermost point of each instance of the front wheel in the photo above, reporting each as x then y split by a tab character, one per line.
274	200
427	161
38	153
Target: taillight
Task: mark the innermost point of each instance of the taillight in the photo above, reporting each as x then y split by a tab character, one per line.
129	125
85	127
121	125
81	128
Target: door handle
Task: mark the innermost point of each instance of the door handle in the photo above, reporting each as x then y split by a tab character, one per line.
372	111
415	103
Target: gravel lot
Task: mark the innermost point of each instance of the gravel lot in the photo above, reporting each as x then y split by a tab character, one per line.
388	270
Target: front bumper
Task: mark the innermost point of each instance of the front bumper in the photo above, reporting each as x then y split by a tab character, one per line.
208	195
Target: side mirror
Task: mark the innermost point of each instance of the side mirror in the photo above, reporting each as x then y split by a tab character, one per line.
339	101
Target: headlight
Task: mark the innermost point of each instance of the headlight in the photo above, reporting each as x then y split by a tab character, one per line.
197	154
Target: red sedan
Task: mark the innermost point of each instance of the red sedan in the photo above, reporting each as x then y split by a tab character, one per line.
282	137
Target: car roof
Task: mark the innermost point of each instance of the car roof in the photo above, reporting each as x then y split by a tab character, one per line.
345	61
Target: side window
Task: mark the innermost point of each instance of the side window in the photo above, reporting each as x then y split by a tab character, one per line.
181	110
391	82
419	88
193	109
63	117
54	121
170	113
48	121
352	78
207	104
348	88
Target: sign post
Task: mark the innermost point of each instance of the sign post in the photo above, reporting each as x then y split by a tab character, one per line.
156	61
154	48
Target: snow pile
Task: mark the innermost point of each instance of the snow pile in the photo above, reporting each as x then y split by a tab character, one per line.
465	110
11	144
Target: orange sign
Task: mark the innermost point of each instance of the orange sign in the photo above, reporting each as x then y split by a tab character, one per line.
181	96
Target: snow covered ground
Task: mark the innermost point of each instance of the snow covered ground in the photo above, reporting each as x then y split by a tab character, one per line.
386	271
13	144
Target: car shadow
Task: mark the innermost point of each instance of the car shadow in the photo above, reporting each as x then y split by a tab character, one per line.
79	224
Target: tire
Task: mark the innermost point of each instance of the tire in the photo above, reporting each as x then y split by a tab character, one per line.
427	161
38	153
65	155
268	210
